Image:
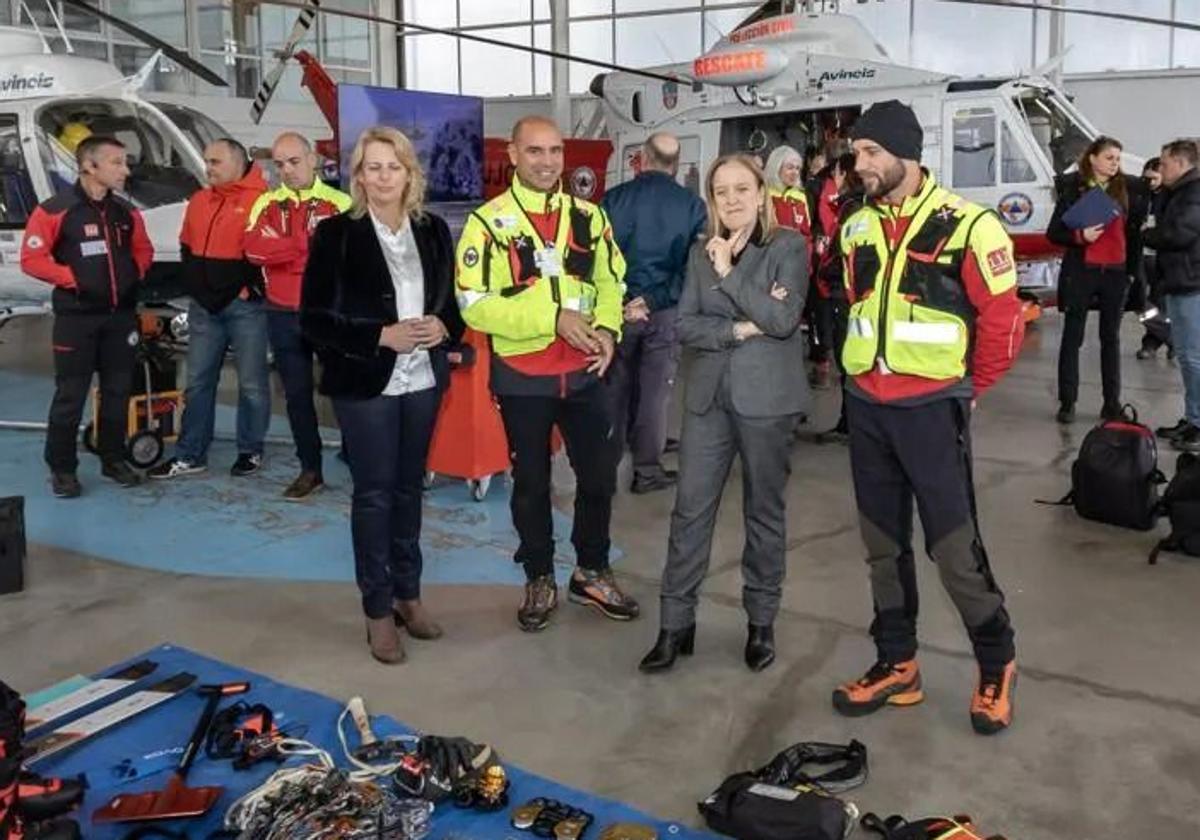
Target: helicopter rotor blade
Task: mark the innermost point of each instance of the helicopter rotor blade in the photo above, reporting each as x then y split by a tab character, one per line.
300	29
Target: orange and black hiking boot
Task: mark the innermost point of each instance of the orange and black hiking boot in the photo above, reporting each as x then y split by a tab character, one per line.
885	684
992	703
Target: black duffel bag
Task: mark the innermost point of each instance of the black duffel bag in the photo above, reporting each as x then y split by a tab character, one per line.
781	801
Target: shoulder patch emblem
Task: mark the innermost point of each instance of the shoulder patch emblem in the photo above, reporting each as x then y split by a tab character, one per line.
854	228
999	261
471	257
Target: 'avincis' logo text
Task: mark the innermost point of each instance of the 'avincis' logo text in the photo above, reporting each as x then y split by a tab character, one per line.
17	83
846	75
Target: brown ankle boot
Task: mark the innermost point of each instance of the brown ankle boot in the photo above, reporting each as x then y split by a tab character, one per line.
413	616
384	641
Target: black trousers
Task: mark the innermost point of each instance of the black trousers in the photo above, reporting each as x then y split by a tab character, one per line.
923	452
583	419
85	344
835	321
294	361
1109	287
387	442
819	344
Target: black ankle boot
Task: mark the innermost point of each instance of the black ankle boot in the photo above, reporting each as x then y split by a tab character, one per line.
760	647
670	644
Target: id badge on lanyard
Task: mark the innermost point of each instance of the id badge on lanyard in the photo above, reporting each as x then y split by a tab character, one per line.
548	261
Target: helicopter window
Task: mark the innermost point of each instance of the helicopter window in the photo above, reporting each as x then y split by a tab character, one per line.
161	167
1014	166
17	196
974	147
1059	136
199	128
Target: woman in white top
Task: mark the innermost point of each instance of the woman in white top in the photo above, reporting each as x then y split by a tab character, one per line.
378	302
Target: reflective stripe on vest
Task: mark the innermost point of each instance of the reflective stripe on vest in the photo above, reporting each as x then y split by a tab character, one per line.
916	333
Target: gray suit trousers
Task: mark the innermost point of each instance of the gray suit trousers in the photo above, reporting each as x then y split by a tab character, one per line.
707	446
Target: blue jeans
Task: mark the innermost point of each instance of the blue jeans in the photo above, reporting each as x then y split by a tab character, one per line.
387	441
294	362
241	325
1184	312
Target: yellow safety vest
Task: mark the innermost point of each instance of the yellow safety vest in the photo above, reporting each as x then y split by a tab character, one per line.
791	208
512	284
910	312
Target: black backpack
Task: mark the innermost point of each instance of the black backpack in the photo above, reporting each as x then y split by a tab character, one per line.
1115	478
1181	505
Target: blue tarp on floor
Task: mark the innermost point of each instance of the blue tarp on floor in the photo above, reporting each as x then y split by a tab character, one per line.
109	759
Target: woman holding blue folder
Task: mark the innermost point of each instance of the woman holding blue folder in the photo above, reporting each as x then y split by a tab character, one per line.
1098	219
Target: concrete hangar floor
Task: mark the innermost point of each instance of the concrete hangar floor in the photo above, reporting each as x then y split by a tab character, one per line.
1106	743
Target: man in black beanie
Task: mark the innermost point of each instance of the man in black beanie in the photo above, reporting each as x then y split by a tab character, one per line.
934	322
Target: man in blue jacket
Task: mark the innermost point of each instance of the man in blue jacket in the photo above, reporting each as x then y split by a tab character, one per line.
655	221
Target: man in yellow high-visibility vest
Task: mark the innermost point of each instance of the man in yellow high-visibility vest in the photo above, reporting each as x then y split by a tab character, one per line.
539	272
934	322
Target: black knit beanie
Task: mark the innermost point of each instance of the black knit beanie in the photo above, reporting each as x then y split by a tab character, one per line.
892	125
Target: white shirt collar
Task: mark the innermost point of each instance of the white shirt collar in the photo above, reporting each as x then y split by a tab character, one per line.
384	231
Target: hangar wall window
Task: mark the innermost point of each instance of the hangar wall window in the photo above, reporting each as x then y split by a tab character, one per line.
938	42
165	18
604	30
1185	46
1097	44
236	40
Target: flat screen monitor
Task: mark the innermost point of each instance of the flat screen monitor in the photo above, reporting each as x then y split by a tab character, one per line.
446	130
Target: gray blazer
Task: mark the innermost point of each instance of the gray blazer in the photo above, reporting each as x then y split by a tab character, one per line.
767	371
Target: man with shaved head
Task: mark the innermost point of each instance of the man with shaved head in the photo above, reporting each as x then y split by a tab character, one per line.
281	223
539	273
225	312
655	221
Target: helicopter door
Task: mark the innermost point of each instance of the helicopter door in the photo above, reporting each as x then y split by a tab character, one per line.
993	160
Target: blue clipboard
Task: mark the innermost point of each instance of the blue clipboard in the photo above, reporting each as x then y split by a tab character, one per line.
1094	207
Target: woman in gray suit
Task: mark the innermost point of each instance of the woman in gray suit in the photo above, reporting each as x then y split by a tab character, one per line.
740	318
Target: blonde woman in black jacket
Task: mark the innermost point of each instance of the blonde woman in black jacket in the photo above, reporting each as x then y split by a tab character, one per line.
378	302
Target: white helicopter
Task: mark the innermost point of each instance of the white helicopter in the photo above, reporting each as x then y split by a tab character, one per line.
796	72
48	103
790	75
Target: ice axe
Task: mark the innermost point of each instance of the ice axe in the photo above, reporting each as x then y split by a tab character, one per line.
371	750
175	800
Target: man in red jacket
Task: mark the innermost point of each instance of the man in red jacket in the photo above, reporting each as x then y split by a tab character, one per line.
92	246
280	225
226	312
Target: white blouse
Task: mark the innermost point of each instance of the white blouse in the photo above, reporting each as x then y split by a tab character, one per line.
413	371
